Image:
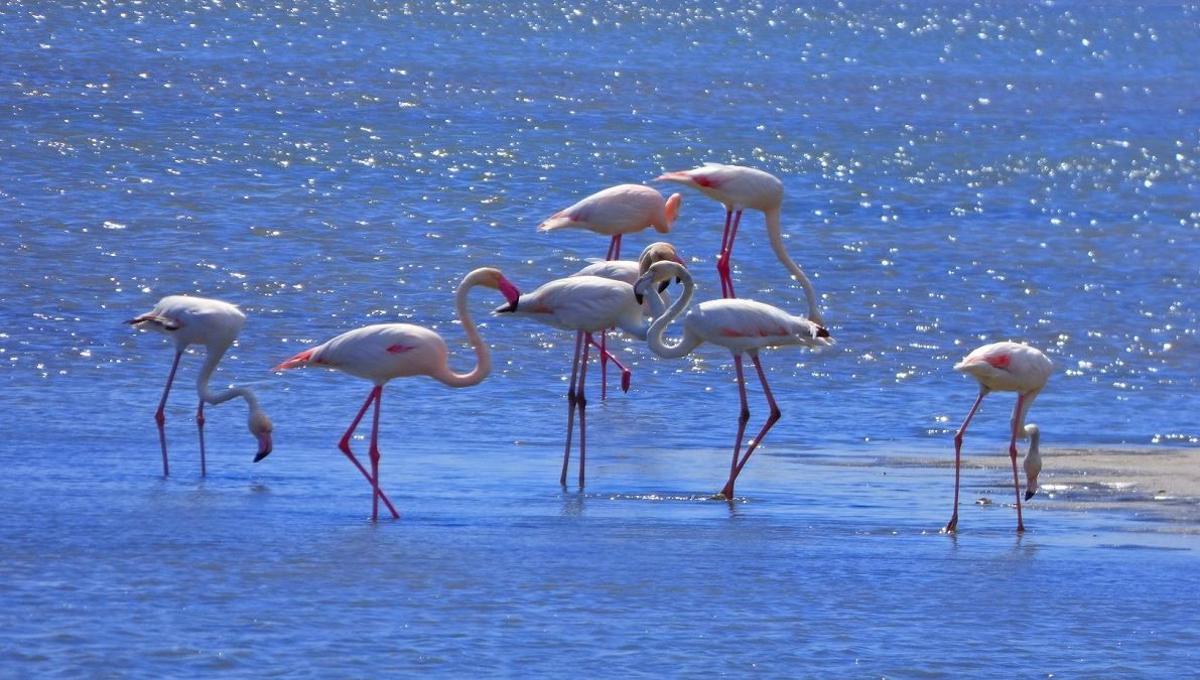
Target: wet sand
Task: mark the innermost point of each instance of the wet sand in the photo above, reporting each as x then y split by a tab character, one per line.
1161	486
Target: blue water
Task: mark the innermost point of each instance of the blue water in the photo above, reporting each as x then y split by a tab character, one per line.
955	174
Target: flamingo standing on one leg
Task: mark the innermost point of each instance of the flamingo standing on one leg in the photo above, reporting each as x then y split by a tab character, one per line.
616	211
215	324
395	350
628	271
1006	367
741	326
737	188
585	304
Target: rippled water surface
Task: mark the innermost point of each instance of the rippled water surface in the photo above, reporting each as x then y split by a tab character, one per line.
955	173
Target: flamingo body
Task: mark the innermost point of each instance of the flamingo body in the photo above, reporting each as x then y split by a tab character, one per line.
581	303
618	210
737	187
215	324
1006	367
382	352
741	326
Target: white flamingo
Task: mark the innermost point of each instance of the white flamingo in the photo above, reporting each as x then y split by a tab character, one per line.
741	326
616	211
190	320
382	352
738	188
627	271
1006	367
585	304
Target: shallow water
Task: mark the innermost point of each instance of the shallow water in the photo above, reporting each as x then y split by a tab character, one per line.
955	174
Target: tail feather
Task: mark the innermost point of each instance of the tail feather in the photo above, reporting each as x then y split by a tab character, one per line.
302	359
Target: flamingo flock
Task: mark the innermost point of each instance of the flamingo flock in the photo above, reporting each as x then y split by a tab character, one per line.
607	294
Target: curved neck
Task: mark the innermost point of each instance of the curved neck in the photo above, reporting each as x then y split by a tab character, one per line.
658	328
483	358
775	233
213	356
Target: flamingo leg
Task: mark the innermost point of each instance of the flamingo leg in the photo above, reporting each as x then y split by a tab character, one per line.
1012	454
743	415
626	374
603	364
726	254
374	455
344	446
571	397
200	428
721	255
160	416
771	420
581	400
958	440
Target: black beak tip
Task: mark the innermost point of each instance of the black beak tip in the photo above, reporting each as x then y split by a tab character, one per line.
639	297
1029	494
261	455
507	309
663	286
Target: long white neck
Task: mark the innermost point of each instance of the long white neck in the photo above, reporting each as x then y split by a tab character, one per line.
775	233
483	358
658	328
212	357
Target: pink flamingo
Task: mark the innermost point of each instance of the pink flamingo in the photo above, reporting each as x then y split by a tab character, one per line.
627	271
1006	367
737	188
215	324
585	304
397	350
741	326
616	211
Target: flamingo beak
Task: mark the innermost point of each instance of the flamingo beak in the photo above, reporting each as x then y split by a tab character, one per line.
264	446
510	292
1030	494
639	297
663	286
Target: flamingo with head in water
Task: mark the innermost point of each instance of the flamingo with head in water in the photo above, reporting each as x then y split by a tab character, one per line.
616	211
215	324
1006	367
739	188
382	352
741	326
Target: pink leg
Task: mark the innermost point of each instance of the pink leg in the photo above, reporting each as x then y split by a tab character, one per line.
200	427
958	440
160	416
571	397
581	400
626	374
1012	454
743	416
603	365
374	455
771	420
721	255
726	254
344	446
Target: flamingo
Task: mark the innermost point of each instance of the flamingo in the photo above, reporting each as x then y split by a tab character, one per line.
1006	367
381	352
737	188
741	326
627	271
190	320
616	211
585	304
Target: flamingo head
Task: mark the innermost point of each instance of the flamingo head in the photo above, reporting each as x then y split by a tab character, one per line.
658	273
490	277
1033	461
672	212
261	428
658	252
